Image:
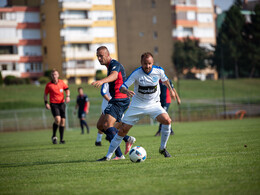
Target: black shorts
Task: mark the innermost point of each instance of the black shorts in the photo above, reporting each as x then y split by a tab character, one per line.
58	110
117	107
81	114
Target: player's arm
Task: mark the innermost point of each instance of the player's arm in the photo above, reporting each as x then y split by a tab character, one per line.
168	85
177	96
110	78
126	91
67	91
47	105
88	104
106	97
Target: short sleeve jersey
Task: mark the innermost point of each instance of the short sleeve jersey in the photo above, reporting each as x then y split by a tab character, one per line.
115	85
56	91
82	102
146	85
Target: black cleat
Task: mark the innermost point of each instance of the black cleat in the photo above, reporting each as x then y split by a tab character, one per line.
157	133
62	142
172	133
54	140
98	144
165	153
104	159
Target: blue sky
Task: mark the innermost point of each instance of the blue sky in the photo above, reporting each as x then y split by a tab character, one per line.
224	4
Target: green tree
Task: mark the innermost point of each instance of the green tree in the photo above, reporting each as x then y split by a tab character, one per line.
230	41
188	54
252	43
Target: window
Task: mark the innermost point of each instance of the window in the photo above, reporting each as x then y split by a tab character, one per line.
191	15
154	19
153	4
45	50
43	17
4	66
155	35
14	66
156	50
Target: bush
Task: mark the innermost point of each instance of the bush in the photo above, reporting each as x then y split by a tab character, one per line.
12	80
44	80
100	75
47	73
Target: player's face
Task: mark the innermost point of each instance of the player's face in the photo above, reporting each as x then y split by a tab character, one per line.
103	57
147	64
80	91
55	76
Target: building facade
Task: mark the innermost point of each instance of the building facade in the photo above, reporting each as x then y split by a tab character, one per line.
195	19
144	26
20	42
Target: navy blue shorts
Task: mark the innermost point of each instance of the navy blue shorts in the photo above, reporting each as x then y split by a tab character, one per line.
117	107
81	114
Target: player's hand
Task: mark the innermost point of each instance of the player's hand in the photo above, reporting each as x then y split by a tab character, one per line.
67	100
97	84
47	106
87	111
179	101
130	93
173	95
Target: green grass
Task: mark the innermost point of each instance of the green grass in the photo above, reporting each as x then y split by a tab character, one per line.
208	158
241	90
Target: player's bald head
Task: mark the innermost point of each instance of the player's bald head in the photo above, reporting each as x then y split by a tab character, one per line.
102	48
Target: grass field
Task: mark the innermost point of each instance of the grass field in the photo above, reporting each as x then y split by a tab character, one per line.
30	96
208	158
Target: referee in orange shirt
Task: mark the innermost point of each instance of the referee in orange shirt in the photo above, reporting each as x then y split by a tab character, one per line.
55	88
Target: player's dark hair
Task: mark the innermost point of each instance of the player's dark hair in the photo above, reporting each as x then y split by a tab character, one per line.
80	88
146	55
54	70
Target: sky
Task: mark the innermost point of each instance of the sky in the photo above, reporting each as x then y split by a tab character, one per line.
224	4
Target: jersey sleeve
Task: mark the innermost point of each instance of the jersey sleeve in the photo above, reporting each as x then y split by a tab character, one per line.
130	80
104	89
65	86
86	98
163	75
47	89
115	67
171	83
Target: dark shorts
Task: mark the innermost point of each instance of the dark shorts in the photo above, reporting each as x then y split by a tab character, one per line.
117	107
166	106
58	110
81	114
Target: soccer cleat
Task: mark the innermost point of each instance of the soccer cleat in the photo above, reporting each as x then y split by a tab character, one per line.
118	158
165	153
104	159
62	142
54	140
172	132
98	144
129	144
157	133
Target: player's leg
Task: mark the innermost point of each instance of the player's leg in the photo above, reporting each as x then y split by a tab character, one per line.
83	120
56	114
62	123
99	138
165	120
100	129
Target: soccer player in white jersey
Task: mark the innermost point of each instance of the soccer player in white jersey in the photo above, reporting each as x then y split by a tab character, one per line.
145	101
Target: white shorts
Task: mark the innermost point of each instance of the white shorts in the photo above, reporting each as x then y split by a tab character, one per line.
134	114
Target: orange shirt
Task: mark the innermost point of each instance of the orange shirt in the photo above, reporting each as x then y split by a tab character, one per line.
56	91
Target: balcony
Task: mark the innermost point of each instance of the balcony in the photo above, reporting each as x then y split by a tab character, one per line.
76	22
79	55
9	57
8	23
77	39
11	72
9	41
75	5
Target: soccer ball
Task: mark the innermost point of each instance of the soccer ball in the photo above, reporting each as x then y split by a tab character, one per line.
137	154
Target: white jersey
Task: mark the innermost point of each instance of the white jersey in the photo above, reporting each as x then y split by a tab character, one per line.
104	91
146	86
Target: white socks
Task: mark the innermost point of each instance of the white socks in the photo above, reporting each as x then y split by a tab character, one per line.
116	141
99	137
165	134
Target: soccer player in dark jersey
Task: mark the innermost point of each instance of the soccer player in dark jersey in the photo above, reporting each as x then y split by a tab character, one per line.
118	103
165	100
56	88
83	109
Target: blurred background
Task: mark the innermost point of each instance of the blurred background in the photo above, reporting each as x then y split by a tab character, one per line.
209	49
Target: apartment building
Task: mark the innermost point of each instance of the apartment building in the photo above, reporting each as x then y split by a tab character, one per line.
142	26
20	42
194	18
72	30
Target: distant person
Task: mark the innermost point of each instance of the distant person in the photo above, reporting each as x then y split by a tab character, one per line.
56	88
166	100
83	109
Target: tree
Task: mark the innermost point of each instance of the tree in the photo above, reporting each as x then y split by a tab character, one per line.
188	54
252	43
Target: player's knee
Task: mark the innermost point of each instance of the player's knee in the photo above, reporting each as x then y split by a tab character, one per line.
167	121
